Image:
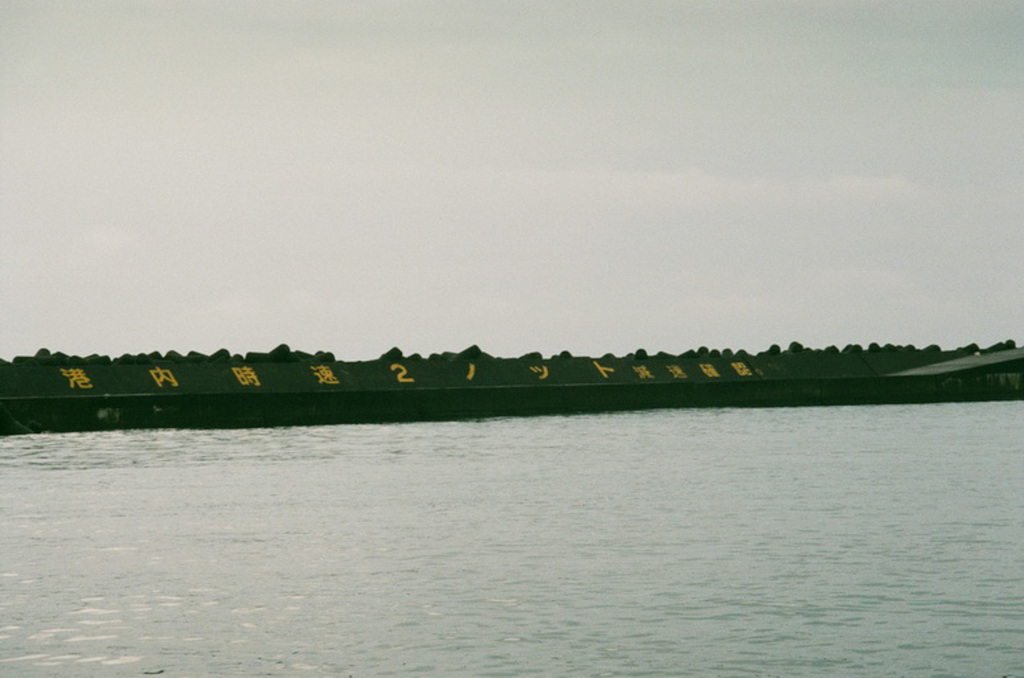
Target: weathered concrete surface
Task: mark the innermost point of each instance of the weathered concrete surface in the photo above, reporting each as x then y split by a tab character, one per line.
1008	361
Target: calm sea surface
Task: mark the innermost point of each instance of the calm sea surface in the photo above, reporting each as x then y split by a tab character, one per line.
880	541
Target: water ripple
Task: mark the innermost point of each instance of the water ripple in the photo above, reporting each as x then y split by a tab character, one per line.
871	541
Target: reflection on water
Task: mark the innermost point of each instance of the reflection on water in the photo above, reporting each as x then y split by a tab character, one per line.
817	541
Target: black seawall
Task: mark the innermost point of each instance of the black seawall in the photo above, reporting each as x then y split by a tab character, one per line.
53	392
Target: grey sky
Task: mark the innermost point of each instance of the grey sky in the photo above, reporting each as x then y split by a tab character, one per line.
587	176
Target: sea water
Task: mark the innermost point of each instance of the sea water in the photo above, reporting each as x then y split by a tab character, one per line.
881	541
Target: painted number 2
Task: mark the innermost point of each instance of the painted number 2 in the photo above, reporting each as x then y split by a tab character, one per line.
401	373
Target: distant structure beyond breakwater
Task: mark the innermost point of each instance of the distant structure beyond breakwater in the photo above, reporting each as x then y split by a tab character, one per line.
54	392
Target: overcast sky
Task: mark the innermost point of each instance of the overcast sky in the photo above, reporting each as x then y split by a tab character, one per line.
589	176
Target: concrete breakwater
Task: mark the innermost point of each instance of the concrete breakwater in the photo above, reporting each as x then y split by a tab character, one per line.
55	392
